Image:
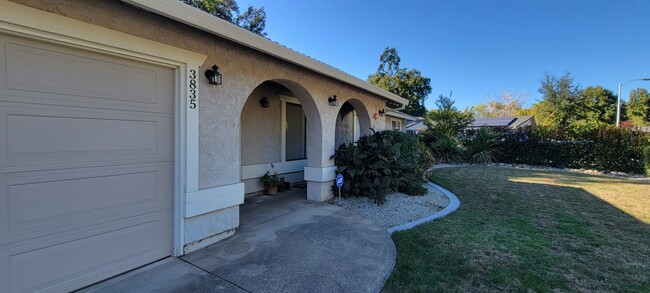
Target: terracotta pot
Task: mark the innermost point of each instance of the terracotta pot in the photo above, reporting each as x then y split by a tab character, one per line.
272	190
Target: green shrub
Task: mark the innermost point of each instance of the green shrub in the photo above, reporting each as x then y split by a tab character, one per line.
408	145
544	146
483	147
608	148
417	156
620	149
447	149
425	161
412	185
646	160
371	168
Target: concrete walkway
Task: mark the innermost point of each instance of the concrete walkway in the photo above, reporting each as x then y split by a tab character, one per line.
284	244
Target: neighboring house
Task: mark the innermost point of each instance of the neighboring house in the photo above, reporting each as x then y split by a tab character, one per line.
416	126
116	150
397	120
510	122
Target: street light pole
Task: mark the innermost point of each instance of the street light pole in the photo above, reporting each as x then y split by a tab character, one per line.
618	105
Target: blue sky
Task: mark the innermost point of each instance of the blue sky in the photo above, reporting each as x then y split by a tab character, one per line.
474	48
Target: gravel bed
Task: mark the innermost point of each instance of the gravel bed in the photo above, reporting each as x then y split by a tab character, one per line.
399	208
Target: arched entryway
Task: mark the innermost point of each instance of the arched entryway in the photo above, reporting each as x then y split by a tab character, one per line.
352	122
280	132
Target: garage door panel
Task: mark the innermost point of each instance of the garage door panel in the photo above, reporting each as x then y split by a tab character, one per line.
54	74
61	264
86	165
51	137
58	202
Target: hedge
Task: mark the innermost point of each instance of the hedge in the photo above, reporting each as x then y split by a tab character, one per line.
608	148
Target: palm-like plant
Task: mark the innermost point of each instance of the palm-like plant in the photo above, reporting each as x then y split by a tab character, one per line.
483	148
447	148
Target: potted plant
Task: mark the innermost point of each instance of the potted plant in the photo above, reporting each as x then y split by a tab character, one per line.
284	185
281	186
271	182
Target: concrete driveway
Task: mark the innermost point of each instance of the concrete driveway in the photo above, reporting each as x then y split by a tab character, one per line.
284	244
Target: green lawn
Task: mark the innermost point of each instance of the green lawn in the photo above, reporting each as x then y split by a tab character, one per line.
524	230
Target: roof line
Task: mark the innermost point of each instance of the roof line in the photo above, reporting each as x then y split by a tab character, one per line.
199	19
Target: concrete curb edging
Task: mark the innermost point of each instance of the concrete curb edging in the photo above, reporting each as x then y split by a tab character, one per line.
454	203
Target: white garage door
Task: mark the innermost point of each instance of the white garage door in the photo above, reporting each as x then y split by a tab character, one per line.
85	165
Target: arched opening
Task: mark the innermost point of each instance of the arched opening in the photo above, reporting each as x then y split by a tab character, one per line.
352	122
280	133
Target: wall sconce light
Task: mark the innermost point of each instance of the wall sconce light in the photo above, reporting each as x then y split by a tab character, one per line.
264	102
332	101
213	75
382	113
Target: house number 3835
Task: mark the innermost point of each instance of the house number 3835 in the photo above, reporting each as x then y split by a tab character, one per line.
192	89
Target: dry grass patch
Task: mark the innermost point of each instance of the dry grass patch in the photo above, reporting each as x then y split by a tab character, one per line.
525	230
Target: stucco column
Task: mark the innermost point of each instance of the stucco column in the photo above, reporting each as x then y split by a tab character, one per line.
319	182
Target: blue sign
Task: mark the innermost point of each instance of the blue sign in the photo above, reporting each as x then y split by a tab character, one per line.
339	180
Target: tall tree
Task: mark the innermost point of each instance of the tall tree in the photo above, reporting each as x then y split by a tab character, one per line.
408	84
481	110
560	105
446	119
253	19
638	107
598	106
507	104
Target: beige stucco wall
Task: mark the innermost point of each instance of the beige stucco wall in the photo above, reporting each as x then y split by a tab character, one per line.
243	70
221	154
260	127
390	119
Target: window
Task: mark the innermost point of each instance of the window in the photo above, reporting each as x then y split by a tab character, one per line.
397	125
296	138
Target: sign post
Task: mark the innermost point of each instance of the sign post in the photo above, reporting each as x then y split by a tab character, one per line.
339	184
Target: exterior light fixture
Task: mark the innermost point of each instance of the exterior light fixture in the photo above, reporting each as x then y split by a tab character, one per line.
382	113
264	102
213	75
332	101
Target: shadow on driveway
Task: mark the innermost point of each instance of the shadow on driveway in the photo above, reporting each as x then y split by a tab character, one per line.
284	244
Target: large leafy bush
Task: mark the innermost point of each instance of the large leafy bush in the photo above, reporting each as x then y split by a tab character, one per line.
373	167
412	151
417	158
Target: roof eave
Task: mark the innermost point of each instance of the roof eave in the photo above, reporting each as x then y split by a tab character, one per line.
191	16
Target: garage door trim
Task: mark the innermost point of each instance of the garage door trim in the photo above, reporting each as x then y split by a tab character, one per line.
31	23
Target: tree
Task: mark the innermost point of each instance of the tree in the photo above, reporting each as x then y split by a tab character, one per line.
638	107
444	126
481	110
560	106
446	119
408	84
253	19
508	104
598	106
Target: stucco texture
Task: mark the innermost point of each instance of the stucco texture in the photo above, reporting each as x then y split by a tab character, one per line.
243	70
261	127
